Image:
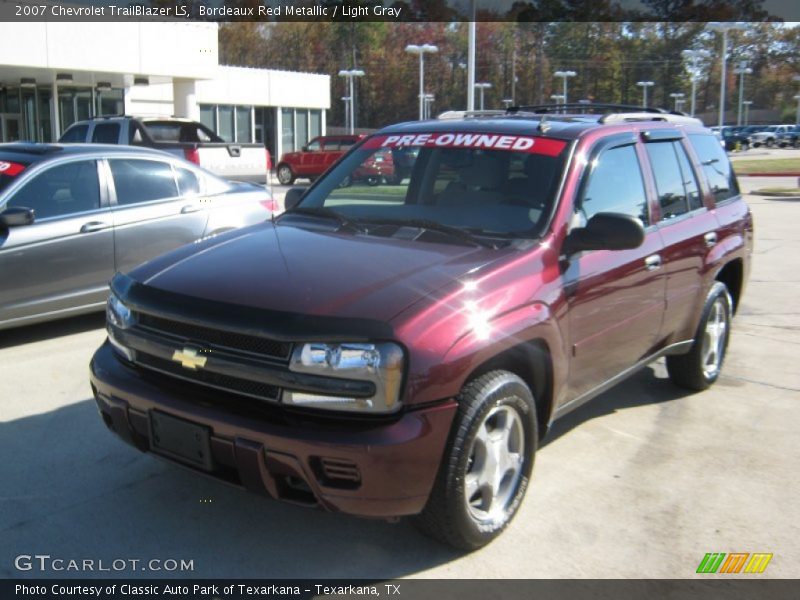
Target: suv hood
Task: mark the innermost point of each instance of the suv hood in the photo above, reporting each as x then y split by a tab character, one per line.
286	268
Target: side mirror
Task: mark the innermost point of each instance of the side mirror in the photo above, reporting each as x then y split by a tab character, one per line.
304	149
15	216
606	231
293	197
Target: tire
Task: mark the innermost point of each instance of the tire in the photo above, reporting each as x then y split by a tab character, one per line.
487	463
285	175
700	367
770	143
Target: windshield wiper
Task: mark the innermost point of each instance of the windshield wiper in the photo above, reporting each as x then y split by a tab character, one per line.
321	211
455	232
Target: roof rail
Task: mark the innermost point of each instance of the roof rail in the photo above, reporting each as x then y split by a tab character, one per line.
669	117
582	108
467	114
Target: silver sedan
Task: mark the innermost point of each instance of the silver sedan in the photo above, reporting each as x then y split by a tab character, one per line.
71	216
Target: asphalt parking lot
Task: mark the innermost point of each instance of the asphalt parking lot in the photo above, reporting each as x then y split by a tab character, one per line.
640	483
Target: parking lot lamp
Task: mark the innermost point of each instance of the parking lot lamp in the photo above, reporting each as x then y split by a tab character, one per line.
723	28
741	71
351	74
565	75
422	50
482	85
644	85
694	70
678	98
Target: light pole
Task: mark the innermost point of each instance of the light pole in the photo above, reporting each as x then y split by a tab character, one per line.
678	98
351	74
797	117
723	28
644	85
482	85
565	75
429	98
346	100
422	50
741	71
747	104
694	70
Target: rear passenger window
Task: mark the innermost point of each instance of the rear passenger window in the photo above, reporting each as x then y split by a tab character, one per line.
716	166
142	180
675	182
75	134
188	184
615	184
106	133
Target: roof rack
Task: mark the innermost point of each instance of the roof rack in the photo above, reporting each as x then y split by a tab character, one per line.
583	108
467	114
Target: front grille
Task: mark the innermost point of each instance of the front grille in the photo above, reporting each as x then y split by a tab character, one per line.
252	344
227	383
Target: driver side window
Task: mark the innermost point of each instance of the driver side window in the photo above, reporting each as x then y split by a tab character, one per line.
615	184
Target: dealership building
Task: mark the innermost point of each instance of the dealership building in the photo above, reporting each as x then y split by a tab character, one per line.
53	74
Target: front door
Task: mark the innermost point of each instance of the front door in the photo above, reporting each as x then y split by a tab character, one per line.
616	297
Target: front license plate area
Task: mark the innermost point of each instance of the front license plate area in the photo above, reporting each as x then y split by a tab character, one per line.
180	440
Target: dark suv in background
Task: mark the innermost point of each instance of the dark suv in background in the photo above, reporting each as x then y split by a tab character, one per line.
401	349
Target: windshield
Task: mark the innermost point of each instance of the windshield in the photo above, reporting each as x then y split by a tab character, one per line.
488	185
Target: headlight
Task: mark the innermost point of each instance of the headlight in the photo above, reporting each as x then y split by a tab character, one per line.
121	317
382	364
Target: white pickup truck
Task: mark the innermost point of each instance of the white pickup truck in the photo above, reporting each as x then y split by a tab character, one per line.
189	139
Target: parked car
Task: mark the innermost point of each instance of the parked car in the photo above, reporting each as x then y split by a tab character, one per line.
734	140
767	135
790	137
313	159
402	349
72	215
188	139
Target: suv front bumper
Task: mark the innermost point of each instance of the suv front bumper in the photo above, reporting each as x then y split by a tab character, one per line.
383	470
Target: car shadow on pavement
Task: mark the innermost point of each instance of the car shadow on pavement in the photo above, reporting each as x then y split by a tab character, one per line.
72	490
648	386
51	329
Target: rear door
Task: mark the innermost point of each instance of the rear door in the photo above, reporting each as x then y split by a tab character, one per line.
687	228
151	214
616	298
65	259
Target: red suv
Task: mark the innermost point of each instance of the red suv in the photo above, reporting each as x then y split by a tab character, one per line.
314	159
402	349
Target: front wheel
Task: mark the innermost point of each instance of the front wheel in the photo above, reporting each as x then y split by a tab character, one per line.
285	175
770	143
487	464
700	368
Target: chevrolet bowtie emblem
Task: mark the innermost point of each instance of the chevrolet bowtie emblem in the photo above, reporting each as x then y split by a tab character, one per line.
190	358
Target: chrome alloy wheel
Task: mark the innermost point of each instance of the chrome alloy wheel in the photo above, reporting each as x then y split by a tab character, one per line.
714	338
495	464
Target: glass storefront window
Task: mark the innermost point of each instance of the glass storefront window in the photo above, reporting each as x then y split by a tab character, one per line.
315	123
244	134
208	116
287	129
302	127
226	124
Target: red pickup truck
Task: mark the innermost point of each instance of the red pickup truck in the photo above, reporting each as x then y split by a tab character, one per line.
401	350
315	158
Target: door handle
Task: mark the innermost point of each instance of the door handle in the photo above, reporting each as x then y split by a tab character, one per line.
710	238
92	226
652	262
189	208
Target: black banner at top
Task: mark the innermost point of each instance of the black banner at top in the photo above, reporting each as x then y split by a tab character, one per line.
403	10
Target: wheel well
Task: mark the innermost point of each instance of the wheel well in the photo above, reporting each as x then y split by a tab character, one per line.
731	276
531	362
